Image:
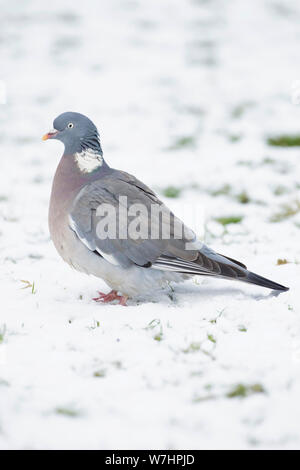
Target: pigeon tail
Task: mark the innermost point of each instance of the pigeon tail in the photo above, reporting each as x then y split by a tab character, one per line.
237	270
209	263
253	278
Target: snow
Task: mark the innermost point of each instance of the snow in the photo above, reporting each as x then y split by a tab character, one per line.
160	373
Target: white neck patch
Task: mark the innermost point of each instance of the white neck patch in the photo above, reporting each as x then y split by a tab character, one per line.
88	160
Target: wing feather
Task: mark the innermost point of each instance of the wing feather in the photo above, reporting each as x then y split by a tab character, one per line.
143	251
160	253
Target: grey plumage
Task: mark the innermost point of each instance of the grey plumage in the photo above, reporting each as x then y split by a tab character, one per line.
107	191
84	182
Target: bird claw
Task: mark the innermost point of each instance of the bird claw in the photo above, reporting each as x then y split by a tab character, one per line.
112	295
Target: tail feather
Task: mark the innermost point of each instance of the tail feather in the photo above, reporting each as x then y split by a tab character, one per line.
262	281
234	261
236	270
209	263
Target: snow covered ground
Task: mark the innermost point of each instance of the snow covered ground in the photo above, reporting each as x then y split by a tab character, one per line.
186	94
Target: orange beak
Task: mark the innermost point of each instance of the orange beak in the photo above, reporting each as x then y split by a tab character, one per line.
50	134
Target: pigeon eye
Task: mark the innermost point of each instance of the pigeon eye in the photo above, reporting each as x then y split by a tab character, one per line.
70	125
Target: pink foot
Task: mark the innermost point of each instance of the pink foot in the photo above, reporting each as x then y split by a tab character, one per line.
123	300
112	295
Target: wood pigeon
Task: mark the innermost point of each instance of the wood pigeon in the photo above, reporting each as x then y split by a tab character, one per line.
107	223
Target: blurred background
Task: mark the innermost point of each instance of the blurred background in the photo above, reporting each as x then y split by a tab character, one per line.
199	99
187	95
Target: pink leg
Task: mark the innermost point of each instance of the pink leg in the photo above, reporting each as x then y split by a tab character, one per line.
123	300
112	295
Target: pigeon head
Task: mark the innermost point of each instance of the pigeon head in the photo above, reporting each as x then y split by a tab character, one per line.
77	132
